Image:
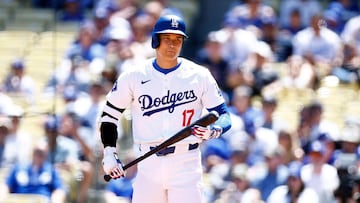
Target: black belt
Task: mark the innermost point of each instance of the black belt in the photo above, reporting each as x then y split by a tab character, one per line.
170	150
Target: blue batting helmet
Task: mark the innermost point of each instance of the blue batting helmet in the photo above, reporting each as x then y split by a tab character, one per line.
167	24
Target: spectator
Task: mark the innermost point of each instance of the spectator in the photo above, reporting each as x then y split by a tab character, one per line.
221	155
63	155
127	57
349	71
287	32
216	172
126	9
338	13
293	151
5	125
72	11
294	190
58	152
346	159
39	177
238	45
320	46
110	5
208	15
117	50
88	107
236	136
141	29
17	139
169	8
239	188
267	118
6	102
211	56
259	73
329	147
264	141
271	174
70	127
318	175
101	18
312	126
88	48
307	9
300	74
19	83
69	97
356	188
241	106
216	150
270	35
154	10
72	73
350	35
295	24
238	157
252	13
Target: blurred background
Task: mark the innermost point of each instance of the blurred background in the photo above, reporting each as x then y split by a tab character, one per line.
288	69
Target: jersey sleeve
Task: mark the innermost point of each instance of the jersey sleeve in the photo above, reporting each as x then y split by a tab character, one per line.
121	94
212	95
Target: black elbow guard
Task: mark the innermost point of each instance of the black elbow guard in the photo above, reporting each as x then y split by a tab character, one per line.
109	134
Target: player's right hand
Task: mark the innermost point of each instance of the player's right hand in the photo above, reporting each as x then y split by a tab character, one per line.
111	163
206	133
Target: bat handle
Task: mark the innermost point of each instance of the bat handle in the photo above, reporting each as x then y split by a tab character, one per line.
107	178
204	121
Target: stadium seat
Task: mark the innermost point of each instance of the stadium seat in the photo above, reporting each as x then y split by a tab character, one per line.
38	19
296	94
69	27
4	16
340	94
8	7
34	26
3	174
16	43
352	108
18	37
25	198
34	14
59	41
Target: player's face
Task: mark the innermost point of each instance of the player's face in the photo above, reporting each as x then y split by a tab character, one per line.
170	45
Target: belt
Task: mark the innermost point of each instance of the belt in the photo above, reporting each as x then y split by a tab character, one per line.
176	149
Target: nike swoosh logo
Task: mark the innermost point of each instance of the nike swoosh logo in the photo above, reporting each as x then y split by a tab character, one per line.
144	81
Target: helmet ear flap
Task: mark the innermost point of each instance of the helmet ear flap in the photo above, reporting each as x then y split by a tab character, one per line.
155	41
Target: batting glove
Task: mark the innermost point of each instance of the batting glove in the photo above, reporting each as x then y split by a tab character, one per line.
206	133
112	164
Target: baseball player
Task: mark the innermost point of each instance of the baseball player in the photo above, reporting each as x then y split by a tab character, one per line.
165	95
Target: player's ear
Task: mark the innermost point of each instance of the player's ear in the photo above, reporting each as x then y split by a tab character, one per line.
155	41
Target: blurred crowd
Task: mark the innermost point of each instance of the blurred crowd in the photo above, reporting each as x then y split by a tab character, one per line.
260	159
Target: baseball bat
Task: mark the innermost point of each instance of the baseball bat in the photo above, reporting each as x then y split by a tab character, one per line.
204	121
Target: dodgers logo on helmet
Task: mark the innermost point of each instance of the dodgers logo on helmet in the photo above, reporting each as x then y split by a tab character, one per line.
174	23
168	24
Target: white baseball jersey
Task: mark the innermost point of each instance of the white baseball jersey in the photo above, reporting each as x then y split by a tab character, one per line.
162	104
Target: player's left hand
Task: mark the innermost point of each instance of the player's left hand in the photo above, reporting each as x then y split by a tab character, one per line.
206	133
111	163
